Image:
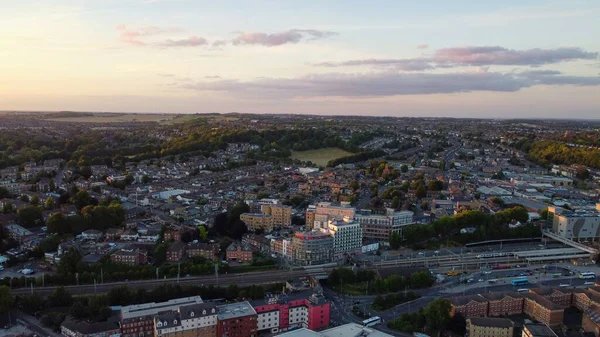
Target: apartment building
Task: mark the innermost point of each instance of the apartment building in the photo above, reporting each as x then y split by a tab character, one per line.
560	297
237	320
281	246
323	211
469	306
196	320
312	248
238	253
302	310
347	237
591	320
74	328
139	320
490	327
130	255
380	226
542	309
201	249
504	304
256	221
281	214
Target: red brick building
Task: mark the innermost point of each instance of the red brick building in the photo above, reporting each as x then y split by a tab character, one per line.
201	249
562	298
469	306
542	309
237	320
175	252
130	255
238	253
591	320
504	304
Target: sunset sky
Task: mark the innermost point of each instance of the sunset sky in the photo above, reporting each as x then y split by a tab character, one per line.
499	59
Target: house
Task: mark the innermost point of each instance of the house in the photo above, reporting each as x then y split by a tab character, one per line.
175	252
238	253
17	232
92	234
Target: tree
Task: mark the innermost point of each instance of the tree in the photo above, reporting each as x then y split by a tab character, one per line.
35	200
58	223
354	184
30	216
68	262
160	253
420	193
60	298
49	203
4	193
6	299
145	179
395	240
452	165
129	179
443	165
544	214
499	175
8	208
435	185
498	201
77	310
404	168
82	199
583	174
52	185
202	233
437	314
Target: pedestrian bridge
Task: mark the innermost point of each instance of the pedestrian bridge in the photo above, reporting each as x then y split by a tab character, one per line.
570	242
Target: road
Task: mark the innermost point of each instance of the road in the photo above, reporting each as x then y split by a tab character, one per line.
33	324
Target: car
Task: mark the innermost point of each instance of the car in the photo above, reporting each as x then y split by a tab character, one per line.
436	252
481	280
487	272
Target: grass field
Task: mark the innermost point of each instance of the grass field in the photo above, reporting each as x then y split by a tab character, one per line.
320	156
119	118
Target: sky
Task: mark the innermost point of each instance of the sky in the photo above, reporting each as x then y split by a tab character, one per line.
482	59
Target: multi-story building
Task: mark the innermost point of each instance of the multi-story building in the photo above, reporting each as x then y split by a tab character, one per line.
350	329
282	246
469	306
280	313
238	253
199	320
281	214
504	304
542	310
591	320
73	328
237	320
560	297
176	251
584	298
323	211
575	225
490	327
130	255
312	248
201	249
138	320
256	221
537	330
380	227
347	237
17	232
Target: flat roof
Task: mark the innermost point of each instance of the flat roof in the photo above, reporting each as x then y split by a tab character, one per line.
352	330
547	252
233	310
301	333
152	308
548	258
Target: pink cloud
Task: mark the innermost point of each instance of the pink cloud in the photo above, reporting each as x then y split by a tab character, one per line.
496	55
135	36
192	41
277	39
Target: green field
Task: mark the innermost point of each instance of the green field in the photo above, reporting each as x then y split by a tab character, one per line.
320	156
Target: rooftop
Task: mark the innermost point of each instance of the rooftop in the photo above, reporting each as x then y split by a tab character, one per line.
539	330
152	308
491	322
235	310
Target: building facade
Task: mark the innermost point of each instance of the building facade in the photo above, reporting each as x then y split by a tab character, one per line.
237	320
256	221
490	327
347	237
312	248
575	225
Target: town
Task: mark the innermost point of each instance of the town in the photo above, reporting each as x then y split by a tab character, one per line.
298	225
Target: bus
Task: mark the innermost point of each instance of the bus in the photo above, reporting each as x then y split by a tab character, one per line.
372	321
587	275
519	281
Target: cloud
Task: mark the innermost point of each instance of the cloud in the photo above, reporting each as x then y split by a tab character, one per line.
400	64
496	55
281	38
166	75
475	56
134	36
192	41
212	77
422	46
382	84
